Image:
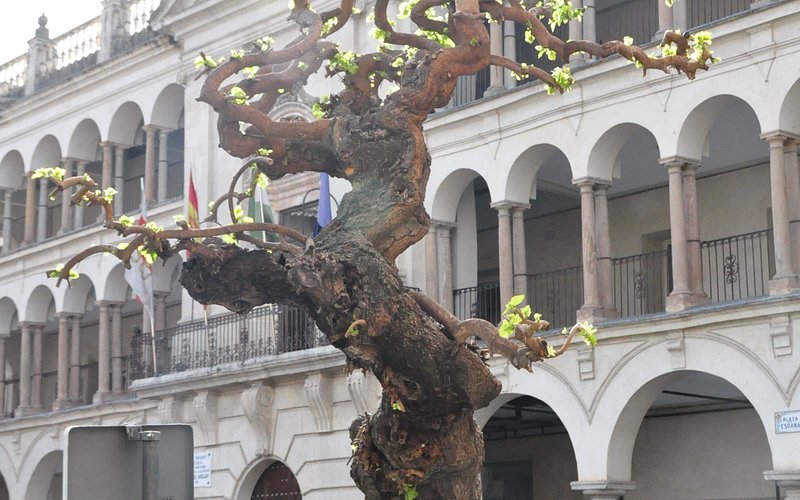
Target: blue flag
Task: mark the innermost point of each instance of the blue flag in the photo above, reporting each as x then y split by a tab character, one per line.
324	208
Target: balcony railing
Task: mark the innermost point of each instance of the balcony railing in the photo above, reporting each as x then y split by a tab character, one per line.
733	268
641	283
229	338
738	267
482	301
700	12
635	18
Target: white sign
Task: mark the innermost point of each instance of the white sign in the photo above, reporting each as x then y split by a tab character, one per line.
787	421
202	469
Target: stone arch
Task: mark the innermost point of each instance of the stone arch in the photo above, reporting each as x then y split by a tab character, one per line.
449	192
694	132
168	107
6	472
789	119
77	296
46	154
12	171
618	143
8	315
44	482
126	124
114	288
84	141
164	273
255	472
633	385
524	172
41	305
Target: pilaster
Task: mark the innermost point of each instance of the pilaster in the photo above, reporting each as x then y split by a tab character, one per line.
317	390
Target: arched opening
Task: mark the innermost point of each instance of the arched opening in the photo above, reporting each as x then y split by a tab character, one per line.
10	339
48	212
127	130
12	184
269	479
45	482
168	114
699	438
528	453
3	489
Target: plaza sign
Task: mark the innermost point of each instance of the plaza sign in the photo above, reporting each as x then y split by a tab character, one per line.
787	421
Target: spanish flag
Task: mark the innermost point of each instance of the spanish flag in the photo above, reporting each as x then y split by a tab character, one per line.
192	217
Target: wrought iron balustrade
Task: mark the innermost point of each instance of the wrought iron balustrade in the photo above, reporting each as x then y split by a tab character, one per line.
556	294
482	301
700	12
265	331
738	267
635	18
642	282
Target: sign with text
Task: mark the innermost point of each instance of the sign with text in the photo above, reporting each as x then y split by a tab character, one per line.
202	469
787	421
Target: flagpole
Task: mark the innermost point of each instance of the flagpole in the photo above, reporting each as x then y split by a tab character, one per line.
153	344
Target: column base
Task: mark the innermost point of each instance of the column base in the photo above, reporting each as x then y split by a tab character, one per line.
102	397
783	285
677	302
63	404
603	490
26	411
493	90
592	314
789	482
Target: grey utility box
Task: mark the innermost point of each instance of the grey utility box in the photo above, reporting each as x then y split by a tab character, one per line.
147	462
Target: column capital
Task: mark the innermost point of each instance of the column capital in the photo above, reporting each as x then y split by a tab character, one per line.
112	144
109	303
589	182
677	160
601	489
150	129
778	135
437	224
509	204
30	324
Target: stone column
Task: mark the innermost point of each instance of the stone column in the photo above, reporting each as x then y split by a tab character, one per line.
591	296
150	164
163	164
116	350
693	243
665	21
495	72
119	179
793	198
7	221
75	362
444	262
41	216
785	279
160	313
80	170
36	375
520	257
602	490
62	395
66	212
789	483
504	252
24	407
431	264
103	354
30	211
576	27
108	164
589	30
604	276
680	297
510	51
3	375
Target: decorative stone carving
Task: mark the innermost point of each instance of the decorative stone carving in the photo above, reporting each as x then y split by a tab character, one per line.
780	331
362	392
257	404
169	410
205	411
16	442
677	352
317	389
585	363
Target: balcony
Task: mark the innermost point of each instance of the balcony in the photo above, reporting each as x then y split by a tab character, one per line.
734	268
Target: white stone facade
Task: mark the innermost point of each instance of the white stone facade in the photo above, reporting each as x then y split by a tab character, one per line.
665	210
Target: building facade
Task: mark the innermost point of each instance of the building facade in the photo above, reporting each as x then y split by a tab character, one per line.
664	210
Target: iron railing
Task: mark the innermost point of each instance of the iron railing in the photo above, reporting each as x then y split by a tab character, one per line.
482	301
265	331
738	267
556	294
700	12
635	18
641	283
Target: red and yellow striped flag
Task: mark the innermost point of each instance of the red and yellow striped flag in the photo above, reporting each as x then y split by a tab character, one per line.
192	216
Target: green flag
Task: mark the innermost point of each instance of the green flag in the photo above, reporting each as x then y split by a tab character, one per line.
260	211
